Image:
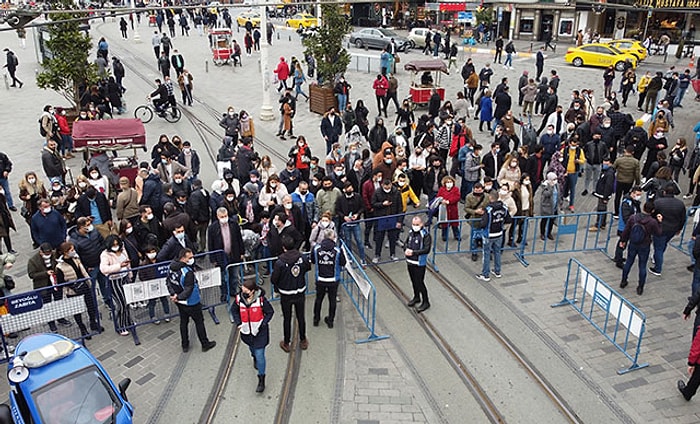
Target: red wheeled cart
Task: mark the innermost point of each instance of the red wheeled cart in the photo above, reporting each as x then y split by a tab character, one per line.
421	90
221	48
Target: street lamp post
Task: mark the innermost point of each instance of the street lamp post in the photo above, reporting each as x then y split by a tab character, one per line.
137	37
266	113
646	25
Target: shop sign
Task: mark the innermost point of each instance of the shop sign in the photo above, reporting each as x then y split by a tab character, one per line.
452	7
669	4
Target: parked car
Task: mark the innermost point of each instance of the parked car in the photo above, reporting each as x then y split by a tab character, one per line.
253	17
598	54
56	380
417	38
378	38
302	20
633	47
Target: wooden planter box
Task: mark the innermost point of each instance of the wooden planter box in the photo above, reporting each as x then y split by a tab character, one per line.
321	98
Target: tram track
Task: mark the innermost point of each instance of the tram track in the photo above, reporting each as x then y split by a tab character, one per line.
488	405
286	399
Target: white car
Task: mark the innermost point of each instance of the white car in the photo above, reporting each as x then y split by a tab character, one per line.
417	37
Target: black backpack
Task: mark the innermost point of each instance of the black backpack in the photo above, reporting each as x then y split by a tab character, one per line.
638	232
15	61
42	131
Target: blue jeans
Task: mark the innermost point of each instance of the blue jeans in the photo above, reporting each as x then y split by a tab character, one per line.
354	231
342	102
509	60
8	193
259	355
66	143
634	250
679	96
465	188
105	287
660	245
492	245
164	301
696	280
691	246
299	91
229	281
571	180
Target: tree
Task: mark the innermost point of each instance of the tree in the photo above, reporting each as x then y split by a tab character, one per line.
326	44
484	15
67	67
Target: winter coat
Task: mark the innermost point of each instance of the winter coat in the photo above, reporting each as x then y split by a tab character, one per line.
486	113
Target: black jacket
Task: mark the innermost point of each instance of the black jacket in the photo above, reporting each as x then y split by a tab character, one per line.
329	260
215	240
196	163
297	217
673	211
198	206
52	163
651	226
274	238
394	197
604	188
172	248
495	218
331	130
83	207
5	164
88	247
345	206
289	272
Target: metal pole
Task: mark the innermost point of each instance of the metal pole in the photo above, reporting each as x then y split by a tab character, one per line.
137	37
646	25
266	113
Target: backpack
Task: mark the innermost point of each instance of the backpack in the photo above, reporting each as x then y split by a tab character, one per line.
638	232
42	131
15	61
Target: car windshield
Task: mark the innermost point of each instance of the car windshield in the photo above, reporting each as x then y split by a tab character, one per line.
83	397
615	50
386	32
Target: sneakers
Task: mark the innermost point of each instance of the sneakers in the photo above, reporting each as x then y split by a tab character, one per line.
640	290
571	208
363	263
690	268
474	257
394	258
375	260
483	277
654	271
496	274
156	322
209	346
623	284
687	196
64	322
681	388
328	322
592	228
584	193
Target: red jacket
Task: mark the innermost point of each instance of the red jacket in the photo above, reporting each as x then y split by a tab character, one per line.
367	193
694	355
282	70
63	127
451	196
380	86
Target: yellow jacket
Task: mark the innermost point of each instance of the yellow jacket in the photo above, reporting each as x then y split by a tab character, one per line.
643	83
406	194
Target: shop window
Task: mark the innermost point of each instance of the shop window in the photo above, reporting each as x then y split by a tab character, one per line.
566	27
527	25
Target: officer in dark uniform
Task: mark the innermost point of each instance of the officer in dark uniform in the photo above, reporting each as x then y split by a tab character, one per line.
417	249
329	260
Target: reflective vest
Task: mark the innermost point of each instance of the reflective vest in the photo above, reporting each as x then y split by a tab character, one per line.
251	316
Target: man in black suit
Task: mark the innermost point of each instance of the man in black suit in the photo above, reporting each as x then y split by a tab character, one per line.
225	235
281	226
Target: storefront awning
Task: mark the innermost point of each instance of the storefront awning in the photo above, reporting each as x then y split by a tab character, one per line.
453	7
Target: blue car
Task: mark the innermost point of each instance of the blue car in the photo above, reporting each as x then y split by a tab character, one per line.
55	380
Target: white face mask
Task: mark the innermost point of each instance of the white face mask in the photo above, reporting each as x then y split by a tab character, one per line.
503	192
89	228
190	261
229	198
325	224
273	185
416	228
449	186
151	255
94	175
180	236
287	206
46	210
401	183
82	184
115	248
178	181
31	180
129	230
46	256
149	216
488	187
526	182
223	220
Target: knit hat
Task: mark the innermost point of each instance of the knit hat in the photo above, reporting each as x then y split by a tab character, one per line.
250	187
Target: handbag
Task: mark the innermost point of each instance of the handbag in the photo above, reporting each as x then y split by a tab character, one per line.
9	282
397	58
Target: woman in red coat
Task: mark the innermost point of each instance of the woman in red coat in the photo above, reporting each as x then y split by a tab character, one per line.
450	199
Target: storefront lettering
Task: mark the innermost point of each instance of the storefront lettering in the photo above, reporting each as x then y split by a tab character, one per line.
669	4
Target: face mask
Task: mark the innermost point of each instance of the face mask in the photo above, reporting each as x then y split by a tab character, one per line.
56	188
82	184
72	254
253	179
223	220
115	248
416	228
513	164
388	161
329	188
449	186
637	198
503	192
187	150
498	150
313	166
31	180
94	175
325	224
229	198
386	190
46	210
401	183
231	114
129	230
190	261
178	181
151	255
266	164
46	256
353	151
550	132
149	216
526	182
287	206
659	136
339	173
488	187
576	107
606	125
604	166
303	192
92	109
300	145
273	185
164	162
314	183
83	115
180	236
572	147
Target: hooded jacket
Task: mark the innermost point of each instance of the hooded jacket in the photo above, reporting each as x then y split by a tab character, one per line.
329	260
289	273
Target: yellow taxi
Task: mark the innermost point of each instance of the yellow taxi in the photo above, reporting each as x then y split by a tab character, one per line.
598	54
302	20
253	17
633	47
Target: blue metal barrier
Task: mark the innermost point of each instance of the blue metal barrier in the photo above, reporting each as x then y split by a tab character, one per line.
685	242
534	243
445	246
362	293
253	270
147	297
50	309
608	311
384	223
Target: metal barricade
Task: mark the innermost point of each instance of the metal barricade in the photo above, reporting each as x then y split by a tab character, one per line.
362	293
685	241
69	309
443	245
535	241
145	294
254	270
387	224
606	310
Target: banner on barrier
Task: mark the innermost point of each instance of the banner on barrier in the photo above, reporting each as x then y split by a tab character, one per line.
142	291
16	322
359	279
612	303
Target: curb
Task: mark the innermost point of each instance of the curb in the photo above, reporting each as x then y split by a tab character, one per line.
478	50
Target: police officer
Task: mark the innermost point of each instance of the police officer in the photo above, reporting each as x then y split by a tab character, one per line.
329	260
288	277
417	248
184	292
494	221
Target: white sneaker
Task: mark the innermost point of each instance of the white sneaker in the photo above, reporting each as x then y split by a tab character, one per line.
687	196
386	244
394	258
375	260
496	274
482	277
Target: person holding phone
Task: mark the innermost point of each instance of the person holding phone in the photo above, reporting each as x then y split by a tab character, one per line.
115	265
